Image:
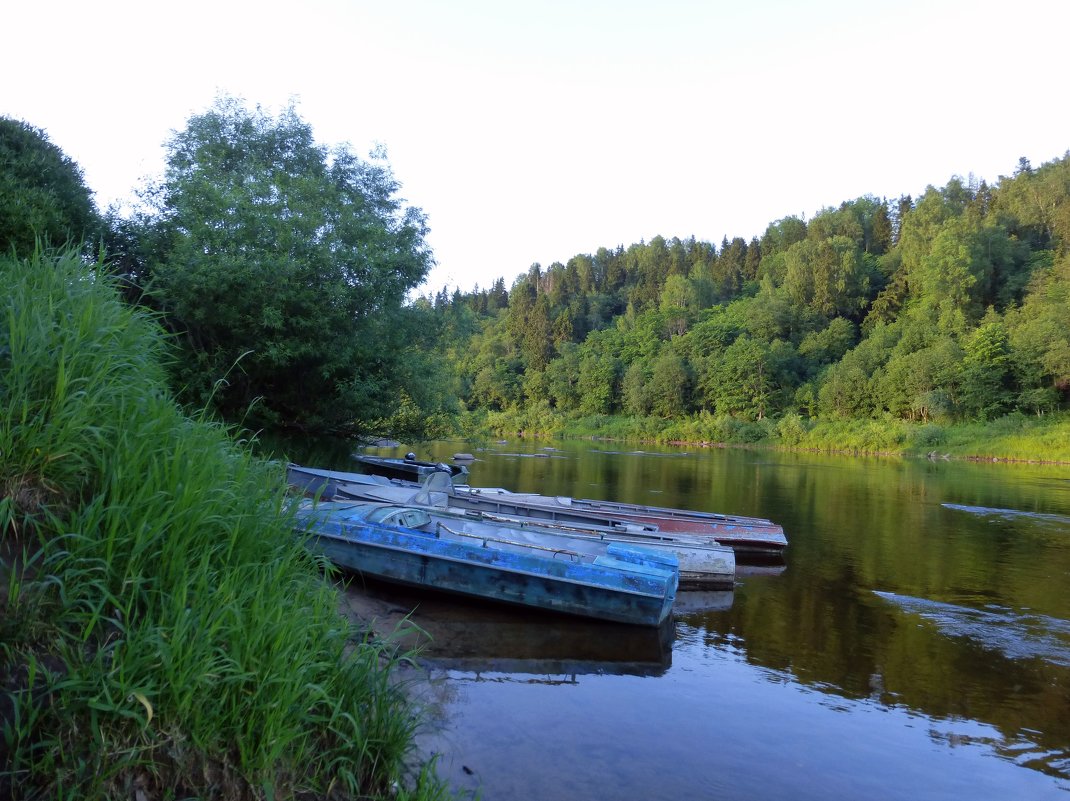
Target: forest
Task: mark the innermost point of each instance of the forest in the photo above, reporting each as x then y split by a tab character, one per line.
285	271
944	310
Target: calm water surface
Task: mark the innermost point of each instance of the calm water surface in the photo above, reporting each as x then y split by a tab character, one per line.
914	645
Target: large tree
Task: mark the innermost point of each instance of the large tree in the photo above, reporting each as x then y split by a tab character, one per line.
43	196
284	265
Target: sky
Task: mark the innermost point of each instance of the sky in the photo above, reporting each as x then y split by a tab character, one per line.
533	132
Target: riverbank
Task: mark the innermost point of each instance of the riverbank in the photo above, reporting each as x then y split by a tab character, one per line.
1012	438
164	633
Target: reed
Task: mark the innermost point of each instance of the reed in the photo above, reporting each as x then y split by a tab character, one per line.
165	632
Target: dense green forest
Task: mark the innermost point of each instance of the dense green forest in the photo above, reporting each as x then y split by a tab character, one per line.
283	269
948	309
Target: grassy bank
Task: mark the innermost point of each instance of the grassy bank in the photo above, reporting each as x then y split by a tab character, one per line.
1015	437
163	633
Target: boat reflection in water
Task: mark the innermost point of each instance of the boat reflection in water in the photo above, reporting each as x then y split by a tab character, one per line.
701	602
458	634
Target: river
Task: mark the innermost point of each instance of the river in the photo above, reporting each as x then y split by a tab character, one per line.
914	644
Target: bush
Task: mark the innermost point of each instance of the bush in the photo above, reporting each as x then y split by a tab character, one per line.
791	430
929	436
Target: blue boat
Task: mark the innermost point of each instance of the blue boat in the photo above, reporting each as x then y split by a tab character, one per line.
703	565
627	584
753	539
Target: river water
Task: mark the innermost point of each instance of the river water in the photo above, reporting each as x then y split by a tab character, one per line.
915	644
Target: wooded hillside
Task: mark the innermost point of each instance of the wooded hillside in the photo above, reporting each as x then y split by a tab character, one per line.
951	307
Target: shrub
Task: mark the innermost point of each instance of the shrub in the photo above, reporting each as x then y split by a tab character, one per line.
791	430
929	436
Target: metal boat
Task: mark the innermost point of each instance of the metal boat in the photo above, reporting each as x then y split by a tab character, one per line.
749	537
625	584
410	468
703	564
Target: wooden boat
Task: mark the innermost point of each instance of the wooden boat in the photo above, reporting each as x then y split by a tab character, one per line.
703	564
750	537
626	584
410	468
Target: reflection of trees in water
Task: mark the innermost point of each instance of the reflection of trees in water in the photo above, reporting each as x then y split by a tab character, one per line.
990	678
1015	635
855	526
1023	749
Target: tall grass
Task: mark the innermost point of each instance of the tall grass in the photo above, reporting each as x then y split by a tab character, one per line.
165	635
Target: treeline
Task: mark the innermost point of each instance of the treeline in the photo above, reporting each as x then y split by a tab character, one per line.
282	268
953	307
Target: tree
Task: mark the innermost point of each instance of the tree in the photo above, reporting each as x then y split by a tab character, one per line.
967	266
529	322
986	379
636	390
828	345
781	235
284	265
741	381
1039	335
600	368
43	195
880	239
562	378
670	385
846	386
921	384
828	276
728	271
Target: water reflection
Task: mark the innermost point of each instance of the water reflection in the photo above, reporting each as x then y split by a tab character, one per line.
458	634
1061	521
715	725
915	642
1016	635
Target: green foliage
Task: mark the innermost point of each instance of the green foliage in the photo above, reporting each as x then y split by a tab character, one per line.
986	380
1013	437
929	436
1039	334
829	344
43	196
791	429
636	388
828	276
599	376
283	266
670	385
171	637
529	323
740	382
937	312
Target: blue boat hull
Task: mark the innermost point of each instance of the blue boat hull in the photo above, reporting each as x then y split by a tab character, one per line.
627	585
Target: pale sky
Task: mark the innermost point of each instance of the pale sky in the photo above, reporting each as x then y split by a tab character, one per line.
533	132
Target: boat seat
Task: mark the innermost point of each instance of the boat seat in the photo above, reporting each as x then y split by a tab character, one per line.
409	518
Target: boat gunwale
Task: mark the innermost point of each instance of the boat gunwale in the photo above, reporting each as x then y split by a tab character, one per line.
652	576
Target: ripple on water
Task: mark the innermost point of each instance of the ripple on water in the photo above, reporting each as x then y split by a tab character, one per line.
1012	514
1017	635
